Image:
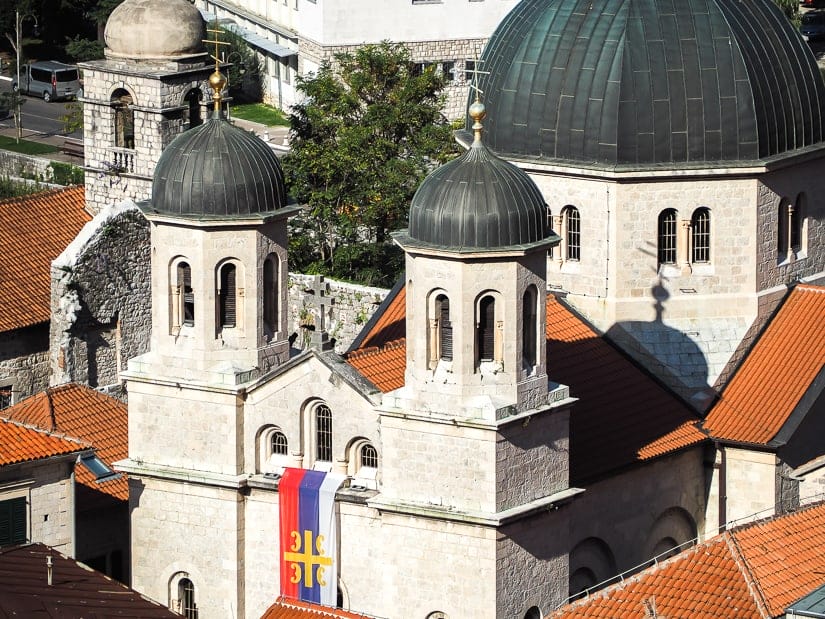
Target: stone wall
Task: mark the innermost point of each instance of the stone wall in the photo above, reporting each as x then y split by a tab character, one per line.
100	299
352	307
24	166
24	360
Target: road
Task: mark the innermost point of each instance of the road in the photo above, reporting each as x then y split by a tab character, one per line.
39	117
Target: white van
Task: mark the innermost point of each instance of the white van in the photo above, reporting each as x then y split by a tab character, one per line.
49	79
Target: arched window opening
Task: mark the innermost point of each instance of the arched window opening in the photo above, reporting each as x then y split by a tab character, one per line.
227	296
369	456
700	235
193	115
278	445
271	293
529	328
486	329
533	613
186	293
323	433
445	328
666	239
782	229
124	119
795	218
572	224
186	597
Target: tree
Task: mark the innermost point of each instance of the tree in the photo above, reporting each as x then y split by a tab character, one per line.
246	74
366	134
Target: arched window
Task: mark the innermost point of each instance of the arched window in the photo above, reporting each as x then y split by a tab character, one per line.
796	218
323	433
666	238
362	464
192	113
529	333
278	445
700	235
186	597
572	233
227	296
271	292
187	295
533	613
782	232
121	102
485	332
445	328
369	456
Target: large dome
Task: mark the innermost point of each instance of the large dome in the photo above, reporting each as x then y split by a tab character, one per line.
641	83
217	171
477	202
155	29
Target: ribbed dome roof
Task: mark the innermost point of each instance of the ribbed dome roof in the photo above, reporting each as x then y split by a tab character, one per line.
650	82
477	202
155	29
217	170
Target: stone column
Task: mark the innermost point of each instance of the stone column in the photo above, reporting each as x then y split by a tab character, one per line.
560	249
683	247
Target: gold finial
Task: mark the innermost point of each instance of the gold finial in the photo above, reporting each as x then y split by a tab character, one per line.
217	81
477	110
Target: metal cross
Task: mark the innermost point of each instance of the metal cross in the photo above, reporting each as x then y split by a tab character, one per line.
475	71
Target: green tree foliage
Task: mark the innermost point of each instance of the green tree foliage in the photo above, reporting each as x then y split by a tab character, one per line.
791	10
79	49
366	134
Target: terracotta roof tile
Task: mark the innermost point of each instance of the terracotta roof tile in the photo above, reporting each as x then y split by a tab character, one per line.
622	416
765	565
294	609
389	325
22	443
82	412
777	372
34	230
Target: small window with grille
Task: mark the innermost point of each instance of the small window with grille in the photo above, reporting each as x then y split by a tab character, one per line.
278	444
186	595
573	233
700	235
369	456
666	238
323	433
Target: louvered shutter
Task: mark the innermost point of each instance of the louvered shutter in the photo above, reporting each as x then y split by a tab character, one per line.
228	296
185	282
486	332
446	331
13	521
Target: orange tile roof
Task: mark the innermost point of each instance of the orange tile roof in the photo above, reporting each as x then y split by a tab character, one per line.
22	443
754	571
82	412
777	372
34	230
390	325
623	416
295	609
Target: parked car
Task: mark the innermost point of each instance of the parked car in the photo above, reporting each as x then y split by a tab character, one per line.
813	25
49	79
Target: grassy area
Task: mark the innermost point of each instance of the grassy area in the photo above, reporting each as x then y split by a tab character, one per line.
260	113
27	147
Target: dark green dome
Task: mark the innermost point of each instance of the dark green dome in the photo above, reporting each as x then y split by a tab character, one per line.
217	171
642	83
477	202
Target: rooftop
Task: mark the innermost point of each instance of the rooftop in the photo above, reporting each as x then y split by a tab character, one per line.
34	230
21	443
295	609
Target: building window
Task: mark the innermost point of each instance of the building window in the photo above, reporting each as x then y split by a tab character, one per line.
227	295
666	237
529	327
572	232
13	521
186	595
796	220
323	433
369	457
278	445
124	119
533	613
271	293
5	396
186	293
700	235
445	328
448	71
485	331
469	70
192	103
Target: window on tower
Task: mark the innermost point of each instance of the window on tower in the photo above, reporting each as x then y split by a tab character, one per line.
227	296
529	328
445	328
271	293
485	330
666	237
124	117
187	295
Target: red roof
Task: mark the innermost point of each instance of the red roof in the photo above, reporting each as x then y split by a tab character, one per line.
34	230
82	412
294	609
623	416
777	372
76	590
755	571
22	443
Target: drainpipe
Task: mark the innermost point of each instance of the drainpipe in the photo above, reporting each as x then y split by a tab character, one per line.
723	487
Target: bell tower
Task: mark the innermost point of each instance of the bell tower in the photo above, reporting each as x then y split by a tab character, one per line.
147	90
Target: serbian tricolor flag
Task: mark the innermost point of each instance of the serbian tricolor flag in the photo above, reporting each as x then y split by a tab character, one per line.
309	539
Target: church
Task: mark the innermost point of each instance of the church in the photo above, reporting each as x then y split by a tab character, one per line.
607	343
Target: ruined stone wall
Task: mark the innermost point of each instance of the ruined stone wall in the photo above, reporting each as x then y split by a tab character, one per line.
24	361
100	299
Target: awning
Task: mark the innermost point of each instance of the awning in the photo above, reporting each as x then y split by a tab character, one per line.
255	40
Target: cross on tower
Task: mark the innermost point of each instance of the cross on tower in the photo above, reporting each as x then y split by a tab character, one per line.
475	71
320	303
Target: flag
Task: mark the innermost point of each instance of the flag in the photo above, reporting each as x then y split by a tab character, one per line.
309	539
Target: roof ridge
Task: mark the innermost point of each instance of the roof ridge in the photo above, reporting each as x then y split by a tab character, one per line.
751	581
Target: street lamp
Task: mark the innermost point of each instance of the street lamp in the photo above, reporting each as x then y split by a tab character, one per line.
18	21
